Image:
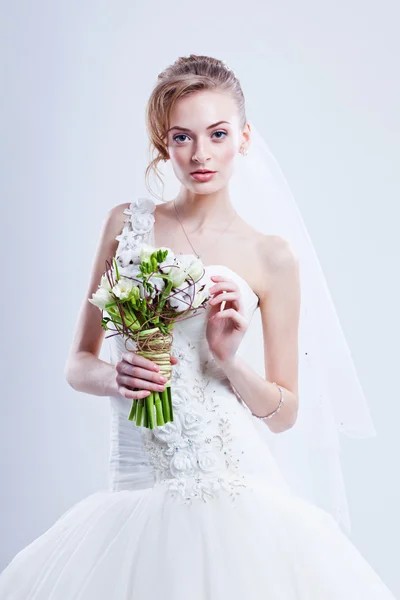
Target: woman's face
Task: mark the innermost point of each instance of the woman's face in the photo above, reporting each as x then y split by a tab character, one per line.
205	133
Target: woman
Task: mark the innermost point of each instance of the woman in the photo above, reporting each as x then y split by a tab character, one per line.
197	508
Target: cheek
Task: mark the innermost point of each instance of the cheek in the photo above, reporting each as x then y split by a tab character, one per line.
227	154
178	158
179	163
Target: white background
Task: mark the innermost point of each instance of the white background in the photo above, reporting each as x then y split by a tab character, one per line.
321	83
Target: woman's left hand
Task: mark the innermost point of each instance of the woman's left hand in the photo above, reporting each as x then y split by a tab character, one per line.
225	328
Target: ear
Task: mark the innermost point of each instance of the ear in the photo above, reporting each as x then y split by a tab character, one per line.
245	137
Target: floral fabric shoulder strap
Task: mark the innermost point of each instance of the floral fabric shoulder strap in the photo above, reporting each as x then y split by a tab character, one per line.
138	227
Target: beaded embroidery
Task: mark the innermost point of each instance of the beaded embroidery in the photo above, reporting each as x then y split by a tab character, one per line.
192	455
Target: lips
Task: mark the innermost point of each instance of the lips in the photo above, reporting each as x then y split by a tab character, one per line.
202	171
203	176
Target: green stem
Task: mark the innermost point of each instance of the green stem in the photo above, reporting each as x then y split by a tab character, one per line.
159	410
165	405
139	413
165	295
150	409
132	414
169	391
158	402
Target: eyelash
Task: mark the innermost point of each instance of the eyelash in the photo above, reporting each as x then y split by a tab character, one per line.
184	134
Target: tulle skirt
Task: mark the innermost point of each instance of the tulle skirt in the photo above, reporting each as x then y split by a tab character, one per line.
146	545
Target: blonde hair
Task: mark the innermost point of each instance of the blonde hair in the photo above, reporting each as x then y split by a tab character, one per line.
185	76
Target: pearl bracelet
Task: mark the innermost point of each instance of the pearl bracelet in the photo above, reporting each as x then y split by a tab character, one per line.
279	405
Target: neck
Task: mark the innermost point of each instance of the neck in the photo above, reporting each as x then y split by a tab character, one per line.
200	210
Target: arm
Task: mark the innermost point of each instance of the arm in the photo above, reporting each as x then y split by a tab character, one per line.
84	371
280	312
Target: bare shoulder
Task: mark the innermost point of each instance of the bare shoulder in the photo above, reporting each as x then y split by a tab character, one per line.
276	260
112	225
117	216
277	253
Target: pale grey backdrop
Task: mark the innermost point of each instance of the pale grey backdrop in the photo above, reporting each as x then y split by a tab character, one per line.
321	82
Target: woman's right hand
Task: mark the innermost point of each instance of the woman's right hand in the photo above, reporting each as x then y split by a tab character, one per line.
135	371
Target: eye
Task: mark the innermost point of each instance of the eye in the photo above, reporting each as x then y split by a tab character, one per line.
178	138
180	135
223	132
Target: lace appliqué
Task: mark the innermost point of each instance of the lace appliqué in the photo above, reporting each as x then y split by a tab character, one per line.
192	455
138	226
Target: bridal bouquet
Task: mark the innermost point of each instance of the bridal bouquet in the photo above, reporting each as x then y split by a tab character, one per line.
145	292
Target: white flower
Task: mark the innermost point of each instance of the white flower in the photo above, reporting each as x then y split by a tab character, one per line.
180	395
200	296
130	274
142	205
195	269
177	272
146	251
104	283
123	288
129	256
168	433
158	284
182	297
181	462
131	271
188	296
166	264
187	268
130	239
192	423
101	297
208	461
142	223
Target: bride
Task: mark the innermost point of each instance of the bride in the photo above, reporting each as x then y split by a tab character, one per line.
218	503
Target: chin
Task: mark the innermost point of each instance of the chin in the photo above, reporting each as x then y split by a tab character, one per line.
204	190
204	187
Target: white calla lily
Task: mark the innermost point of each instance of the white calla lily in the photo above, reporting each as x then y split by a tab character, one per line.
195	269
200	297
123	288
100	298
104	283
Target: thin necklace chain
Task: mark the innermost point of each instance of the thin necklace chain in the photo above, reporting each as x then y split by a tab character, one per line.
187	237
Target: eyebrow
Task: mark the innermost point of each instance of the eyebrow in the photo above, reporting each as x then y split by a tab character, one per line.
210	126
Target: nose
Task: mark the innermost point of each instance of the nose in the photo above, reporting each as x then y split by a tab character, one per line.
201	155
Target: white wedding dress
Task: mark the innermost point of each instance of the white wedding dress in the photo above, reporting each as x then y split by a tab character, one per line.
196	509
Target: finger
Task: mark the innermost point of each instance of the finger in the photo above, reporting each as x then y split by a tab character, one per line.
234	300
141	361
226	297
220	278
133	394
125	368
239	321
174	360
225	285
141	384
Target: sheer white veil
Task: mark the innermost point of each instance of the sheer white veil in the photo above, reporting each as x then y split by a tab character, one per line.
331	400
